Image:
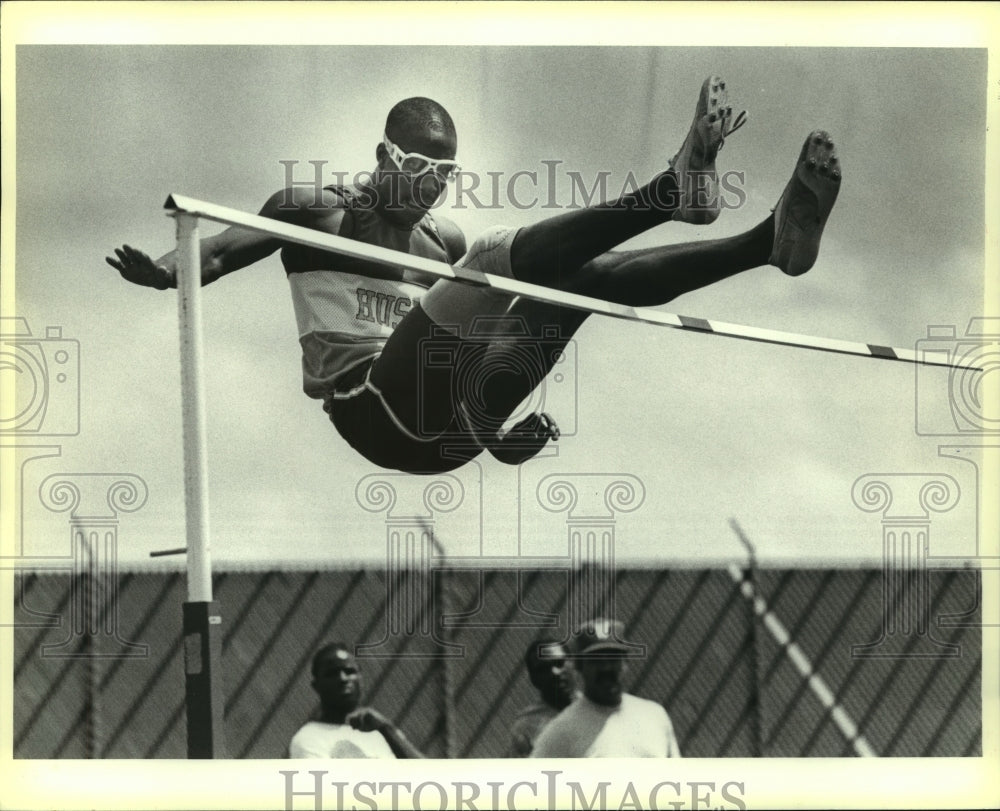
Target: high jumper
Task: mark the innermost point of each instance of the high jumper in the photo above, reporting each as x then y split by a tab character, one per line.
371	372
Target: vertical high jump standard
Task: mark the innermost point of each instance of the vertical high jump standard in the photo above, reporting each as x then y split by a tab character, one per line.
202	623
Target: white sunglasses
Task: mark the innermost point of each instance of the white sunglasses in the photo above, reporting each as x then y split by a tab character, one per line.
414	164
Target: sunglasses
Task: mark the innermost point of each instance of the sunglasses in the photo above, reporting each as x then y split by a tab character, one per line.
415	165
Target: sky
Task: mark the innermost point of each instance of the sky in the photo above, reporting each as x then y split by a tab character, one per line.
713	428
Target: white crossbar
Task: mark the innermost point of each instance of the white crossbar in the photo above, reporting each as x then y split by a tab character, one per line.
385	256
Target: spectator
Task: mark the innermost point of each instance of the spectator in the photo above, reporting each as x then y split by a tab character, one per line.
606	721
345	730
552	675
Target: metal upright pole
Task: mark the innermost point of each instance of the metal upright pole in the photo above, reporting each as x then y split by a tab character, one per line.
202	623
755	701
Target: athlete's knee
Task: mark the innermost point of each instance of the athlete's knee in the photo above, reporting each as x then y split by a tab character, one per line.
597	277
490	251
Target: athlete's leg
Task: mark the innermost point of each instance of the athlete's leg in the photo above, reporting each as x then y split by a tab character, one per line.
638	278
655	276
649	277
789	239
550	253
362	418
553	251
490	378
517	362
428	351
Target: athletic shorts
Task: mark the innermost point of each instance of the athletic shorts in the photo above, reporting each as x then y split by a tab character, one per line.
366	421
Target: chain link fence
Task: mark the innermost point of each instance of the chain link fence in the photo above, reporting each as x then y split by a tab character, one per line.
777	663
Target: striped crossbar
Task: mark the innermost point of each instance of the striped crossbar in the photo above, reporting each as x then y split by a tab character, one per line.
647	315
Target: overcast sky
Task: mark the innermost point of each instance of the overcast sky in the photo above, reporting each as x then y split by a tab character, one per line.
713	428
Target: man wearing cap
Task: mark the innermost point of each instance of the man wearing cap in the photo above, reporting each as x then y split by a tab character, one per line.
606	721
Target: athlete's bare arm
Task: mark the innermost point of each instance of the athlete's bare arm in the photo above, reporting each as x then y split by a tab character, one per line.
454	242
234	248
453	238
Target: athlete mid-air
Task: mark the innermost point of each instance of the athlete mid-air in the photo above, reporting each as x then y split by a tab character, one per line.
364	328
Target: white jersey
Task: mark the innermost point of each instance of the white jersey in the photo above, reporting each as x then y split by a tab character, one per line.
635	728
343	320
321	740
346	308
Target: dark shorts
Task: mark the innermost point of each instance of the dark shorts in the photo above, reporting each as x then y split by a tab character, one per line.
362	417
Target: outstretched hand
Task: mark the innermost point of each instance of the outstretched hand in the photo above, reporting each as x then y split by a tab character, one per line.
136	267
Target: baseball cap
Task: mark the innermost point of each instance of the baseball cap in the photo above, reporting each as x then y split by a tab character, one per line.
600	636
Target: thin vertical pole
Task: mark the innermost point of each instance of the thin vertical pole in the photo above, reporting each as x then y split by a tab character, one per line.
199	563
434	546
779	633
755	701
202	624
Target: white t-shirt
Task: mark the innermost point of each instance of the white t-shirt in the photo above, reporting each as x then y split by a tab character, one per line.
635	728
321	740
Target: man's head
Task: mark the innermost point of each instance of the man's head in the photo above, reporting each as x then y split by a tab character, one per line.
337	681
550	672
599	654
415	159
